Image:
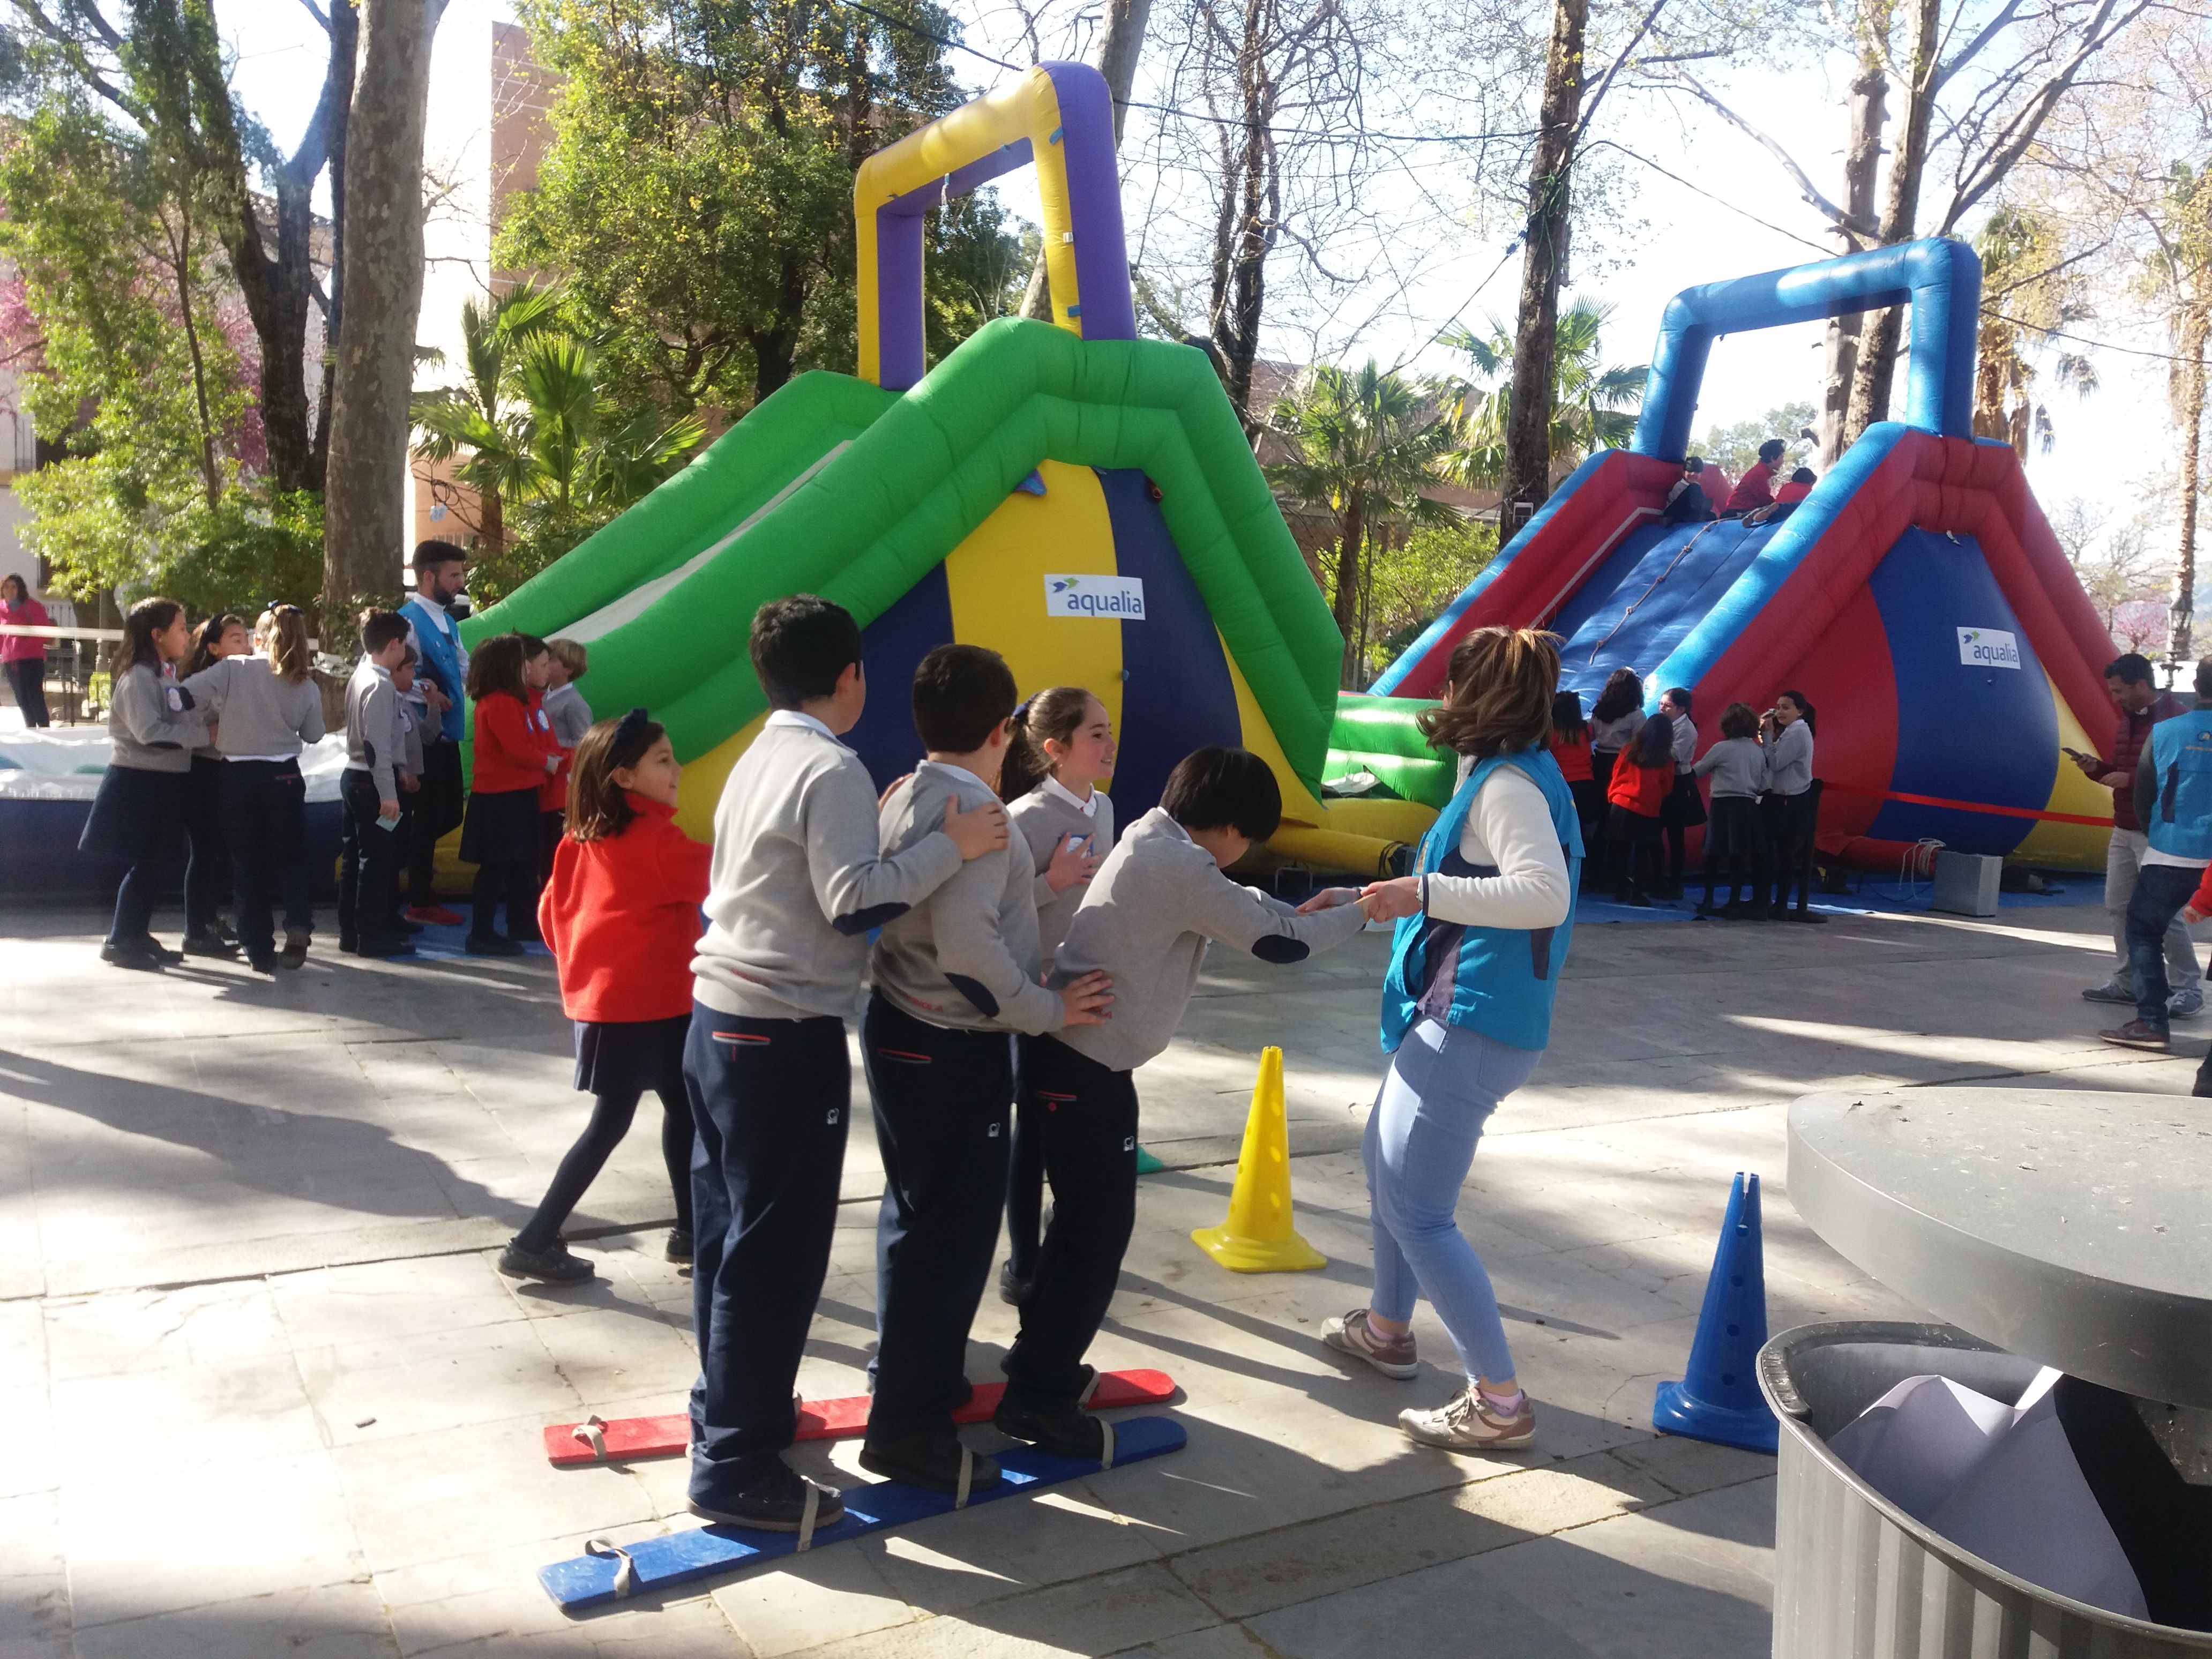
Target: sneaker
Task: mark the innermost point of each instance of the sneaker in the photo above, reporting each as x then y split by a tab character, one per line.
138	957
552	1266
1467	1422
930	1458
400	945
678	1247
265	963
1351	1333
210	944
776	1502
2185	1005
1012	1287
2136	1035
491	945
295	953
2111	991
1058	1426
435	915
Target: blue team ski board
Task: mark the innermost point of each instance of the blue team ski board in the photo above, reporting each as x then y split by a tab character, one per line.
652	1564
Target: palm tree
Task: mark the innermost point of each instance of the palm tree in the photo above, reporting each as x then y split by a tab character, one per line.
477	415
2181	274
1366	442
2026	291
1593	406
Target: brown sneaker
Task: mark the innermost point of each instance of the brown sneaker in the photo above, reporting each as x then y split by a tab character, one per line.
1467	1422
1351	1333
2136	1035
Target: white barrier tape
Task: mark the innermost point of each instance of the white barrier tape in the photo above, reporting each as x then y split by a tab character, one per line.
625	1575
806	1521
1106	1454
590	1432
967	1478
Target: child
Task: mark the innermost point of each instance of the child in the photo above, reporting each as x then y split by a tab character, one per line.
1570	748
411	779
207	870
500	835
266	707
539	665
1737	766
153	728
1061	741
953	975
1684	809
622	913
1789	806
1614	723
1640	782
796	883
1144	926
368	790
564	705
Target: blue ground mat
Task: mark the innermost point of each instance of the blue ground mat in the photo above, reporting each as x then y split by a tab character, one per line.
1870	893
595	1580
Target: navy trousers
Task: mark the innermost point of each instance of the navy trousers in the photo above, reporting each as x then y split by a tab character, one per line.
769	1099
264	819
941	1100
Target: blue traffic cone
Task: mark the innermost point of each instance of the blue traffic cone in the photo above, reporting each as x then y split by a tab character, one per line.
1719	1399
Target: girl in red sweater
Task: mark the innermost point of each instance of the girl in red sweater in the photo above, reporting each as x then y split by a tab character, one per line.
514	759
1640	782
622	913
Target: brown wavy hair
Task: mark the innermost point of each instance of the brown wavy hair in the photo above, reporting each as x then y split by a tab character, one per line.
1499	701
1057	715
598	808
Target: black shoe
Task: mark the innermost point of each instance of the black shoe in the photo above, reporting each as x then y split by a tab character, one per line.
405	924
400	945
137	956
295	953
525	936
161	952
225	935
1777	912
1058	1426
491	945
930	1458
1806	915
680	1245
210	945
554	1267
776	1502
1013	1286
1640	901
262	964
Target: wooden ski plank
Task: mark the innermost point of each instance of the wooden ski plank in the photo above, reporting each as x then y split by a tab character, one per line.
632	1439
600	1579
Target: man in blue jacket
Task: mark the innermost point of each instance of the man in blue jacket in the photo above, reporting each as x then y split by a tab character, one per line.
2173	799
440	714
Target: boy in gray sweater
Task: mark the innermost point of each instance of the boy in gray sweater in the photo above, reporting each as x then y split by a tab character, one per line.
796	883
954	976
368	792
1146	921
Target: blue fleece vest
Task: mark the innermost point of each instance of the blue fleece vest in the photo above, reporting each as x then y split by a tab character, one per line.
1505	977
2181	814
442	659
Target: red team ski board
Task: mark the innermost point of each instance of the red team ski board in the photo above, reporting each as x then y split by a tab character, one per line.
627	1439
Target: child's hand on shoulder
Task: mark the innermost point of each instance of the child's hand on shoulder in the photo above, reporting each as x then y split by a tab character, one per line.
980	829
1329	898
1088	1001
1072	862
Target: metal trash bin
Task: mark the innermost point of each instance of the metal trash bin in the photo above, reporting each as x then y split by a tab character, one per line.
2098	1265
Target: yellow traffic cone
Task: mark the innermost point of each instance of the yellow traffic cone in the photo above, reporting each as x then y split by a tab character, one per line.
1258	1237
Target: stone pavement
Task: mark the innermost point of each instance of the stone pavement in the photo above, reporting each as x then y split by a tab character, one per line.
266	1395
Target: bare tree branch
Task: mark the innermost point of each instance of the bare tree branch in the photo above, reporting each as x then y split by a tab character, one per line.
1813	198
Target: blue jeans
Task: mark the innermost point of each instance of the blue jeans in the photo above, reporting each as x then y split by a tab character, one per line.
1443	1083
2162	890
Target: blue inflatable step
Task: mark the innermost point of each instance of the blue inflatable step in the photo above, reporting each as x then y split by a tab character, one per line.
597	1578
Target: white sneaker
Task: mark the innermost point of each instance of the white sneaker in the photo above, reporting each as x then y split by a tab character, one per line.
1467	1422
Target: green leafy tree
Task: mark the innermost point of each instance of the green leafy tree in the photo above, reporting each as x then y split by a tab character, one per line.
1733	448
476	418
1594	405
696	198
1366	443
1416	577
2029	286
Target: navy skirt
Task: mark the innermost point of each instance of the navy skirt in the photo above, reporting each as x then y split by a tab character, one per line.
502	828
1735	830
1789	815
137	817
614	1056
1684	807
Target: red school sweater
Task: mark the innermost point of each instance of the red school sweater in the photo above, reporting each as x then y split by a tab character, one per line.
509	752
1574	757
1640	788
621	915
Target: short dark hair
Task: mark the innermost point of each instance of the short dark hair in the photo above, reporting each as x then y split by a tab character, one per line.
800	646
1804	475
1739	719
2131	668
2204	677
1679	696
428	556
961	693
1220	788
378	629
532	646
1770	451
1695	463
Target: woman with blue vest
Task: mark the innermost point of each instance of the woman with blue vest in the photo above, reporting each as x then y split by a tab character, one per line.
1466	1009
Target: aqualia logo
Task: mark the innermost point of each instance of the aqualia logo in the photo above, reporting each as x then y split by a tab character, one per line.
1988	647
1118	599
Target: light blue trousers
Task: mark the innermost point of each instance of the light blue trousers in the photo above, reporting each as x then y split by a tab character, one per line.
1443	1083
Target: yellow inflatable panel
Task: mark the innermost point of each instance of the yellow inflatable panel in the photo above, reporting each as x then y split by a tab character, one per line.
2054	843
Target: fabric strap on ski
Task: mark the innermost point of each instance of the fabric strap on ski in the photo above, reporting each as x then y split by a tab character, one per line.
806	1519
966	1478
1106	1452
592	1432
625	1576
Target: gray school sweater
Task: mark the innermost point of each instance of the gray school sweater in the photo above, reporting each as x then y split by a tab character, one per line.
1737	766
148	727
258	713
798	880
375	741
571	715
1145	919
966	957
1044	818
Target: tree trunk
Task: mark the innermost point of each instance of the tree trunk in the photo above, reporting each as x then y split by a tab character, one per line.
1348	549
1869	105
491	522
2189	401
1119	48
1876	369
1528	471
365	509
